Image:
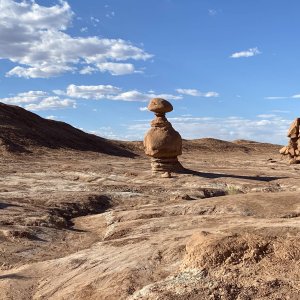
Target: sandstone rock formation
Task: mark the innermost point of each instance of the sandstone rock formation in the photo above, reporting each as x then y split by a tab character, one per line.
293	148
162	143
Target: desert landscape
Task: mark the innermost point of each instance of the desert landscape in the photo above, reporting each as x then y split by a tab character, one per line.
82	217
149	150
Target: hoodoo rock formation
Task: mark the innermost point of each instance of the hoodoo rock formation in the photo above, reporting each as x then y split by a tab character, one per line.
293	148
162	142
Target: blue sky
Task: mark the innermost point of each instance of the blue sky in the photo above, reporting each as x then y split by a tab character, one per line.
230	68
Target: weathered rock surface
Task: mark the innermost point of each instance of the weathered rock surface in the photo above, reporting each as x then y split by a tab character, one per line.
84	225
160	106
292	150
162	142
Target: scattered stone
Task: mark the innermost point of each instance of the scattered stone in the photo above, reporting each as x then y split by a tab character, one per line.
186	197
166	175
162	143
13	234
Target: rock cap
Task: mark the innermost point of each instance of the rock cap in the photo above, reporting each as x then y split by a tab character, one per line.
159	105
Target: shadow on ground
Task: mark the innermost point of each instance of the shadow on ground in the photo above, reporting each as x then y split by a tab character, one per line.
220	175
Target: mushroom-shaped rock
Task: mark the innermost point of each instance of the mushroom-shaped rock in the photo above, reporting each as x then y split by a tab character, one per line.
160	106
162	142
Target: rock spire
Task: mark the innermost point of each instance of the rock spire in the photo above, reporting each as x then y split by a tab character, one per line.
162	142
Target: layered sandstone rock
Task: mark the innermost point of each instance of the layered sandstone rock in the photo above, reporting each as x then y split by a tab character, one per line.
293	148
162	142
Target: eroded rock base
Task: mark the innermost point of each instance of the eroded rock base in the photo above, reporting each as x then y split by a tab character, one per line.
162	165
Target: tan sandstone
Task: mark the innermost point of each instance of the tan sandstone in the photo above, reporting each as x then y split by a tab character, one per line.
162	142
292	150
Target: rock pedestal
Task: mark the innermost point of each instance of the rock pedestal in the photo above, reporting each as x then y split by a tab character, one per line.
292	150
162	142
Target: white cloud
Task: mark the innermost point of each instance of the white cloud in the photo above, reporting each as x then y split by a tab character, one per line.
297	96
59	92
143	97
275	97
91	91
131	96
144	108
34	16
247	53
87	70
27	97
39	100
196	93
32	37
110	92
117	68
210	94
38	72
50	103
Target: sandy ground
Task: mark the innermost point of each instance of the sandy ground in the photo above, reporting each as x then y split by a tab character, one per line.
82	225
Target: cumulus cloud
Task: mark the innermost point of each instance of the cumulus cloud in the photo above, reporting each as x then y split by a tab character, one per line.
247	53
196	93
117	68
50	103
39	100
26	97
144	97
32	36
91	91
38	72
88	70
110	92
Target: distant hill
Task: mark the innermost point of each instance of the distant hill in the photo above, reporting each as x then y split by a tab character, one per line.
220	146
23	131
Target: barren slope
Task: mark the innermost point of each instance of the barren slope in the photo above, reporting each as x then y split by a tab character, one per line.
23	131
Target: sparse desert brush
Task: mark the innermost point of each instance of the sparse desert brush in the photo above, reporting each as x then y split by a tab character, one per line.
233	190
